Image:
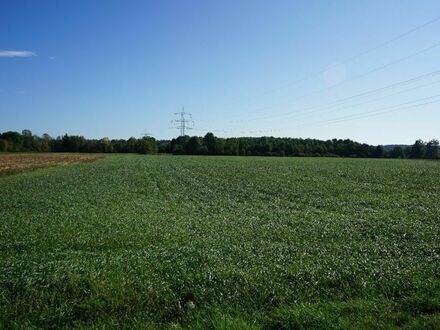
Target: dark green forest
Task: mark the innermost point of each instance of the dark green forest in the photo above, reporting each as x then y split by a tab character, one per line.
212	145
28	142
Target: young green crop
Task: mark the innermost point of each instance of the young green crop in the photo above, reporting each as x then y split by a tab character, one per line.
222	242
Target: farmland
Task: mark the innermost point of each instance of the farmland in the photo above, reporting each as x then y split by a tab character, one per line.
222	242
13	163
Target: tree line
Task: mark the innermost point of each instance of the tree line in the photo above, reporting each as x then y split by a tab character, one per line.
212	145
28	142
272	146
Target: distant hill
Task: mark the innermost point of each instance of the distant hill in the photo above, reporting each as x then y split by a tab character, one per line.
389	147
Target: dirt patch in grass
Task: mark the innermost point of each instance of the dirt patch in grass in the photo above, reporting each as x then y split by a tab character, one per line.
14	163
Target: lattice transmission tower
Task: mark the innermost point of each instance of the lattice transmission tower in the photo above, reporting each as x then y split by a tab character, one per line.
183	122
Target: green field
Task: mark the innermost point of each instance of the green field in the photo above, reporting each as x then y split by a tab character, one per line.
222	242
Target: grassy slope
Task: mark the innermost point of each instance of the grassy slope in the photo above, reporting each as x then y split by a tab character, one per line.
253	242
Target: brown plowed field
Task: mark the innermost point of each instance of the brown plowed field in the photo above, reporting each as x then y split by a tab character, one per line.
13	163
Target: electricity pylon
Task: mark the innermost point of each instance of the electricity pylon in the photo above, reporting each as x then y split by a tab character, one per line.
184	122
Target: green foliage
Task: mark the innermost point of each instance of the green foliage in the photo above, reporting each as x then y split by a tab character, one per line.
221	243
378	152
193	146
178	150
106	145
212	145
26	141
14	141
397	152
271	146
3	145
418	150
146	145
432	150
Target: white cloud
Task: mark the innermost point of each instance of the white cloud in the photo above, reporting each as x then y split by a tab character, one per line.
16	53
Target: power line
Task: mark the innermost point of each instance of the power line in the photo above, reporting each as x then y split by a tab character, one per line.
351	58
366	114
379	111
370	50
338	103
382	67
375	113
381	98
183	122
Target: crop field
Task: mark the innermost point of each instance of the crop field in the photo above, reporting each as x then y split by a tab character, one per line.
222	243
13	163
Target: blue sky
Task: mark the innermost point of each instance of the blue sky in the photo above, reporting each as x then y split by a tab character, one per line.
242	68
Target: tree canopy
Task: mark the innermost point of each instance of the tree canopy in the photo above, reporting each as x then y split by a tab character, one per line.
211	145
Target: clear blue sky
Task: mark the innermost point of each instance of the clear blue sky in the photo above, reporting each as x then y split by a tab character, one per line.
116	68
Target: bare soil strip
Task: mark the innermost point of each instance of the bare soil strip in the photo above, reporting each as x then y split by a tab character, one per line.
14	163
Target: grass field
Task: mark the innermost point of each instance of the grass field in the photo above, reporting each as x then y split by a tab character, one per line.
222	242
